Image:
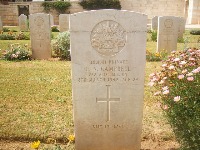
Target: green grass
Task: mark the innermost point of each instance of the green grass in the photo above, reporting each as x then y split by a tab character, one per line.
35	100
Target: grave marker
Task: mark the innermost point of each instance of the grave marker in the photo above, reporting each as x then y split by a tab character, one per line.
108	60
167	33
23	26
181	28
51	20
154	23
1	24
64	22
40	35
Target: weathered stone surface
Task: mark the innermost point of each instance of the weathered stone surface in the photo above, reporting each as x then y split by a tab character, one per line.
23	26
51	20
1	24
40	35
154	23
167	33
108	60
181	27
64	22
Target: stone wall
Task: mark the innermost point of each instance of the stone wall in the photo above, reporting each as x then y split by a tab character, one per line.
10	12
152	8
194	12
155	7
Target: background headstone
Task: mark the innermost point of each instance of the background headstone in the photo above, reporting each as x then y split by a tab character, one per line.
51	20
181	28
64	22
40	35
167	33
108	60
1	24
154	23
23	26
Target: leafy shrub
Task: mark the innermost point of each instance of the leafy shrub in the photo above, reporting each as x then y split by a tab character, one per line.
180	40
17	53
100	4
154	35
61	45
59	6
8	30
54	29
195	32
5	29
179	90
155	56
7	36
47	6
149	31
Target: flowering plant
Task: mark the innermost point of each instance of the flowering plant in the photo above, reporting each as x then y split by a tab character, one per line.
35	144
17	52
71	139
14	36
22	36
158	56
7	36
179	90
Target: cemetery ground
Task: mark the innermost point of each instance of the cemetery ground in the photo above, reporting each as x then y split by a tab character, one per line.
36	103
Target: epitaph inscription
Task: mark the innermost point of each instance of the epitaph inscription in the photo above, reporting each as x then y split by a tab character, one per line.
40	33
108	38
108	71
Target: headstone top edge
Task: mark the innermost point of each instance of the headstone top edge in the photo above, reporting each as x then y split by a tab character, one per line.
107	10
38	14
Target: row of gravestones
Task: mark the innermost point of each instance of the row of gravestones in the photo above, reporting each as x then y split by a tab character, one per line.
169	29
40	27
23	22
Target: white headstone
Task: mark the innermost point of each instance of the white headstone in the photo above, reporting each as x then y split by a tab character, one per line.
40	35
181	28
64	22
167	33
51	20
1	24
154	23
108	60
23	24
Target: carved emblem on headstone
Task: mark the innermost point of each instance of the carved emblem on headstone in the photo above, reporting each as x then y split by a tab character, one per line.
40	27
39	21
168	23
108	38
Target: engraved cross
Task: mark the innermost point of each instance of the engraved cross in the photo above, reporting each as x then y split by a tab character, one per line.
108	100
167	40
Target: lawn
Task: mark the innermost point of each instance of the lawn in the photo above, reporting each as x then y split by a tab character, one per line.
36	101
